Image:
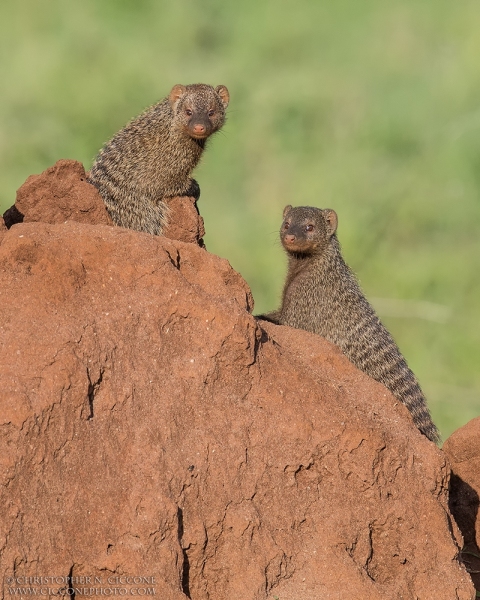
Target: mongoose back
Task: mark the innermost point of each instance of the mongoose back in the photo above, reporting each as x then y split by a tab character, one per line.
322	295
151	158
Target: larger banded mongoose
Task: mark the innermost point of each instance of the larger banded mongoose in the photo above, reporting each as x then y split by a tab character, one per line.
322	295
151	158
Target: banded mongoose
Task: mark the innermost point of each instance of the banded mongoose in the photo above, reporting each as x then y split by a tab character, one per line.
151	158
322	295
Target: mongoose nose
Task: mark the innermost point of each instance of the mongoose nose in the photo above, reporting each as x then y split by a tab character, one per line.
289	239
198	128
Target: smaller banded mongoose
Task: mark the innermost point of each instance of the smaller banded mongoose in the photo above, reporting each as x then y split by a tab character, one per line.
151	158
321	295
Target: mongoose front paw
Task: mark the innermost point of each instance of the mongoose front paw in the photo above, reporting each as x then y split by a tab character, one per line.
193	190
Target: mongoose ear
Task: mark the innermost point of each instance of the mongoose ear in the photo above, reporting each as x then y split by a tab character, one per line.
286	210
224	95
176	93
331	221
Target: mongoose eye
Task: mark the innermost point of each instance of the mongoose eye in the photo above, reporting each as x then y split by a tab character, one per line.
188	112
211	113
309	228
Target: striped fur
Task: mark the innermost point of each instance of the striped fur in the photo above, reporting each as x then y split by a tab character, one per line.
152	157
322	295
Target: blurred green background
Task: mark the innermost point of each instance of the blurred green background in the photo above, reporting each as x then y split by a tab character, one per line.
371	108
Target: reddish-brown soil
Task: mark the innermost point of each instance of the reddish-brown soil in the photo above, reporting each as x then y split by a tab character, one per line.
463	451
150	426
61	193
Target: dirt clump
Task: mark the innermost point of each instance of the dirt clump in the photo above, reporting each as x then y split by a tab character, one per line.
61	193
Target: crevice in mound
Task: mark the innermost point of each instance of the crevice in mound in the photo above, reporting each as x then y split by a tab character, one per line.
12	216
70	586
261	337
186	562
93	387
175	261
464	504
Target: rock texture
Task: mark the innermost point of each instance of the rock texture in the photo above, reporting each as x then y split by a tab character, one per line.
61	193
151	427
185	223
463	451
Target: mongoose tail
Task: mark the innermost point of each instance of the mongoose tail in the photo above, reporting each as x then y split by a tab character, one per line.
322	295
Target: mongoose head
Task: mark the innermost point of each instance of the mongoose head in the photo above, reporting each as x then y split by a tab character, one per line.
307	230
199	109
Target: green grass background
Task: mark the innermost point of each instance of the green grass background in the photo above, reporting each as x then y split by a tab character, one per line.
371	108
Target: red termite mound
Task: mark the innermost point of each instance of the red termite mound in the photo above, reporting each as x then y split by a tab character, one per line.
155	435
